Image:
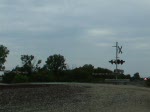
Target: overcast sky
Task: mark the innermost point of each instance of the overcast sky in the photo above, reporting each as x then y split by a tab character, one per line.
83	31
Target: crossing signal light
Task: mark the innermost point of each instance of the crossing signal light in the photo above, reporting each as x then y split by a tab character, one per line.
111	61
117	61
122	61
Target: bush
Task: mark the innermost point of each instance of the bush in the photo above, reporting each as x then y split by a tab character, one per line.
78	76
148	82
20	78
8	77
81	76
41	77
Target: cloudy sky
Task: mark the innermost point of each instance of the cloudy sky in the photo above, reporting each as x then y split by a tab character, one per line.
83	31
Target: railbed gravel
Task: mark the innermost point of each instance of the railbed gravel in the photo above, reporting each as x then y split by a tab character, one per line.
75	97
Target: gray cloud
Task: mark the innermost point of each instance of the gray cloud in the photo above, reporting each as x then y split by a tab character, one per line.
84	31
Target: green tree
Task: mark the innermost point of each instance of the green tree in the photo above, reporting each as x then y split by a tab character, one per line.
55	63
102	70
28	64
3	54
88	67
136	76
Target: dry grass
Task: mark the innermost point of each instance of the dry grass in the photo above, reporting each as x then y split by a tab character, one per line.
74	98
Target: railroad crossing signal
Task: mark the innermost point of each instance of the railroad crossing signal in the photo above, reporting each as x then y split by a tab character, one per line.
120	49
112	62
117	62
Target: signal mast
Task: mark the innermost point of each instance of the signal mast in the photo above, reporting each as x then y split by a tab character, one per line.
117	60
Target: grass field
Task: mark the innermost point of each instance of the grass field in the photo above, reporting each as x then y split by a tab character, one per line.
74	97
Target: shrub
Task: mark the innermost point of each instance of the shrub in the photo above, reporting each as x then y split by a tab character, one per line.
41	77
148	82
8	77
20	78
81	76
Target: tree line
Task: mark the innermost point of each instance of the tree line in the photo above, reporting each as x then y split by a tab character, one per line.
54	70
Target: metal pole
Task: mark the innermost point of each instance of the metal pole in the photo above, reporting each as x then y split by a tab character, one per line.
116	72
116	59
